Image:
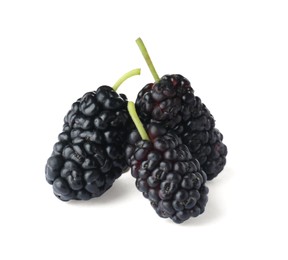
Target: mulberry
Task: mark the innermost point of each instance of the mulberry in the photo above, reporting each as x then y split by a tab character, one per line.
90	153
166	173
171	102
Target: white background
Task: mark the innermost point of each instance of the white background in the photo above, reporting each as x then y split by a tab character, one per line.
235	53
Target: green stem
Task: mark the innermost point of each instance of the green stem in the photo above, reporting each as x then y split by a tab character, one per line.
147	58
126	76
136	120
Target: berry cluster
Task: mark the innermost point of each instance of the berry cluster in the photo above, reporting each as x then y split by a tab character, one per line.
172	147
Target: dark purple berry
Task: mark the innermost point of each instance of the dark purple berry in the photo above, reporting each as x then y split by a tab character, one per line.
90	153
171	103
167	174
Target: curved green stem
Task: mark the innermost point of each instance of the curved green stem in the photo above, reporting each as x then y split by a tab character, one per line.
126	76
136	120
147	58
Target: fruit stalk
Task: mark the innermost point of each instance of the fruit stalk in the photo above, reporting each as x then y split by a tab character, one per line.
147	58
137	122
127	75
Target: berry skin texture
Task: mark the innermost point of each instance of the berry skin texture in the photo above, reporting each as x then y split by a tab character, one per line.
89	155
172	103
167	174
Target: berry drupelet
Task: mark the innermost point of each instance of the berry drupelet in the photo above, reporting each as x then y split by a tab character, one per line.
170	101
90	153
166	172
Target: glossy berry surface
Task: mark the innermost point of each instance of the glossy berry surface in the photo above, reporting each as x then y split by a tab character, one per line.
171	102
89	154
167	174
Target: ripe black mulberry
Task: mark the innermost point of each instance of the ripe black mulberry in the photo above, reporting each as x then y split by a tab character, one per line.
171	102
89	155
167	174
